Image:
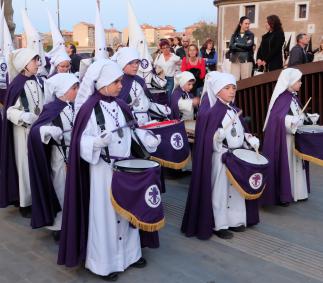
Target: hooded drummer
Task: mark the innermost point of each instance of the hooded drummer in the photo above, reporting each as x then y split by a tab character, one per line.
92	231
134	90
213	205
288	179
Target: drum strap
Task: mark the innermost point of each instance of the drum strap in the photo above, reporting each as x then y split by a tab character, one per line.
24	101
59	123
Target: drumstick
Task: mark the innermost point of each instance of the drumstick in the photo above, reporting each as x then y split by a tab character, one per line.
257	152
232	120
306	105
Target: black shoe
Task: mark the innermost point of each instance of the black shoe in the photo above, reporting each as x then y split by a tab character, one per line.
224	234
56	235
240	228
304	199
111	277
140	263
25	211
284	204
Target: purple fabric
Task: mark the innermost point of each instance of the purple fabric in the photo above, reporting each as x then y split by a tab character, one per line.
252	178
175	97
127	81
309	144
9	189
73	242
143	200
278	188
44	198
198	216
174	146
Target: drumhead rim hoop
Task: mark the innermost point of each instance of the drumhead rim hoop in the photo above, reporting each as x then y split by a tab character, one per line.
242	160
134	169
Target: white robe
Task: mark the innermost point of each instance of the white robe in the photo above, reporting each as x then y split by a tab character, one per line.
296	171
185	106
112	244
20	135
229	208
140	111
58	165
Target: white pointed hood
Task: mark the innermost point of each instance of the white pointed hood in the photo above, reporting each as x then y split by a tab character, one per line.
56	34
100	42
34	40
8	46
2	31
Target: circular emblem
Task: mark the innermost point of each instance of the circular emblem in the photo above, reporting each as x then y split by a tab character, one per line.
3	67
144	63
176	140
152	196
255	181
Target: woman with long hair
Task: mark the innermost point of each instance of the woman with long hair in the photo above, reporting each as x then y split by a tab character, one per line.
209	54
318	56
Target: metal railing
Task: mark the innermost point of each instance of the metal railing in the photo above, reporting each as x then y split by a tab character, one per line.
253	94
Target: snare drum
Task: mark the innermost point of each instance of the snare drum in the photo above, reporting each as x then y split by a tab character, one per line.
190	130
173	151
135	193
247	171
308	143
159	96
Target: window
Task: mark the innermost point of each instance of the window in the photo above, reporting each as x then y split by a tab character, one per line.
302	11
250	12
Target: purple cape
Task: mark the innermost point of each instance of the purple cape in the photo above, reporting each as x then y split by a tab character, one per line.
73	242
278	187
175	97
198	216
127	81
9	189
44	198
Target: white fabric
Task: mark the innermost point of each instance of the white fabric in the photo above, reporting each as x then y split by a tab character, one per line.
170	66
1	29
185	106
20	135
112	244
28	117
214	82
95	74
125	55
285	80
56	34
48	132
100	42
182	78
58	85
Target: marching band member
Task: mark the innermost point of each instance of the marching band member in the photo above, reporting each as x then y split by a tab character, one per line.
134	90
213	205
48	148
288	179
182	101
91	229
23	104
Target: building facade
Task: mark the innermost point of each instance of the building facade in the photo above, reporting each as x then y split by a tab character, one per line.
83	34
296	16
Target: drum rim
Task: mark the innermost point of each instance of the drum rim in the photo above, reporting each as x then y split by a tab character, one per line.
246	162
164	123
127	169
301	131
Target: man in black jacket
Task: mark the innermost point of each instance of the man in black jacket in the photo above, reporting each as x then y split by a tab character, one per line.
182	51
298	55
75	59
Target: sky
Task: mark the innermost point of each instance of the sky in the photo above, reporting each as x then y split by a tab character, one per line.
179	13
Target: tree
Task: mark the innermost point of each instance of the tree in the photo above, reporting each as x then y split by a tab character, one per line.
204	32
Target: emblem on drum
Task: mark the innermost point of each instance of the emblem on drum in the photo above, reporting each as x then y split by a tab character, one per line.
152	196
144	63
255	181
3	67
177	141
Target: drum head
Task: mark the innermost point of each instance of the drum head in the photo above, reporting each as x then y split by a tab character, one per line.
156	91
250	156
135	165
310	129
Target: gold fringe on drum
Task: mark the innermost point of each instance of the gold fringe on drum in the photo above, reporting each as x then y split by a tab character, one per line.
171	165
309	158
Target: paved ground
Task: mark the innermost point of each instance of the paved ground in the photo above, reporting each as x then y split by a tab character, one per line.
286	247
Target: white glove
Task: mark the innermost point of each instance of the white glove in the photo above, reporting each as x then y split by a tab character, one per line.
103	140
155	141
314	117
254	142
55	132
28	117
219	135
297	121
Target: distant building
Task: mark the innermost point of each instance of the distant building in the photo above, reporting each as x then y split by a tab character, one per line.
113	37
83	34
296	15
163	31
190	29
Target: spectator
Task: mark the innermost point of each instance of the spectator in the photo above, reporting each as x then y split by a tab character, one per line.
318	56
196	65
241	50
110	51
167	61
177	43
209	54
182	51
269	54
75	59
298	55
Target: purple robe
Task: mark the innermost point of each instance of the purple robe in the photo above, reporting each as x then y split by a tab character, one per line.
278	187
9	189
175	97
73	242
198	216
127	82
44	198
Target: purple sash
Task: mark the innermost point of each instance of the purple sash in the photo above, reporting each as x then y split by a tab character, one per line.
141	204
249	179
173	151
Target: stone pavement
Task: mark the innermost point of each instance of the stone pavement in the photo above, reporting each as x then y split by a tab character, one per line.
287	246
